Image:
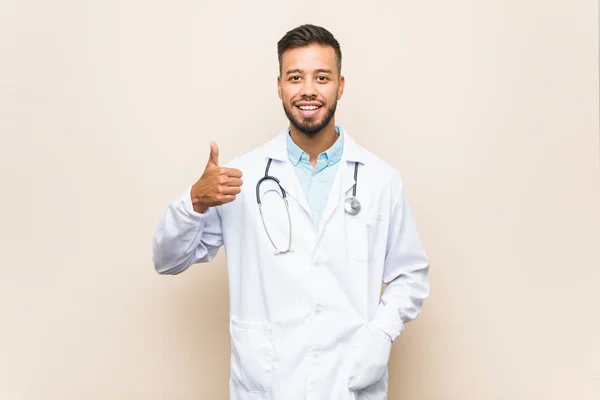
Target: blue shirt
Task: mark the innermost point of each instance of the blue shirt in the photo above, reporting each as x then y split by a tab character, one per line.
316	181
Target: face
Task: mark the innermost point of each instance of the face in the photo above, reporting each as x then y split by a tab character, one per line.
309	87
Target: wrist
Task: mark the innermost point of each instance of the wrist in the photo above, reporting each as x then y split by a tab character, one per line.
197	205
199	208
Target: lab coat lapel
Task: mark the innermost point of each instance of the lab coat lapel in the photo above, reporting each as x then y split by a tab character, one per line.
344	181
282	169
341	185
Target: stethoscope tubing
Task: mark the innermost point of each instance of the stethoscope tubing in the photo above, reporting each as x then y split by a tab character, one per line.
352	205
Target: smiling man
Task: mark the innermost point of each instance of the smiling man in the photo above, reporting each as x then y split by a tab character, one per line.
307	320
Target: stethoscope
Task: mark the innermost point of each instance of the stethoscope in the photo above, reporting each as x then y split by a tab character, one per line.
351	204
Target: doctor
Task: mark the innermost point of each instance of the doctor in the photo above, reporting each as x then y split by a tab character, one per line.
308	247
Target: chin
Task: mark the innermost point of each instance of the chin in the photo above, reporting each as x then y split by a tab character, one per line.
309	130
309	126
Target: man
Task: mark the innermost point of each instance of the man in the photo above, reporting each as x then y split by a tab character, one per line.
308	323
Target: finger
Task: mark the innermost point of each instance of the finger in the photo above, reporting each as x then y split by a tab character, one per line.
233	182
214	154
230	190
227	198
231	172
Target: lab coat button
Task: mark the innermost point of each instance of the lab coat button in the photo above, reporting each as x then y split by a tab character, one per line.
318	310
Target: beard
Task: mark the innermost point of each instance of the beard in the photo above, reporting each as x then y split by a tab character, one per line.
309	126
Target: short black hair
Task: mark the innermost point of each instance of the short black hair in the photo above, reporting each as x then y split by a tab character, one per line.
305	35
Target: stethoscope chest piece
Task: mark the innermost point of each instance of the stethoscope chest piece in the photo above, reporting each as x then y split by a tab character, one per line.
352	205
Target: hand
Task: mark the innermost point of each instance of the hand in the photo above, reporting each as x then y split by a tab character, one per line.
217	185
369	359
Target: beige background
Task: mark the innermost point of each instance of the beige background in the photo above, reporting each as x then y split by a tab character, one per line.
489	109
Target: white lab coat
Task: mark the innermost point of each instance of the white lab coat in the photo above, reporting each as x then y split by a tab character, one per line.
310	324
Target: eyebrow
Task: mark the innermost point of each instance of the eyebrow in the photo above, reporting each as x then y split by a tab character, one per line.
317	71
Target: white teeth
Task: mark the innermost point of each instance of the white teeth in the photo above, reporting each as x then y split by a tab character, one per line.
308	108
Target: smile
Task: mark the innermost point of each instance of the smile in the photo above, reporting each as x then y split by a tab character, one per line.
308	110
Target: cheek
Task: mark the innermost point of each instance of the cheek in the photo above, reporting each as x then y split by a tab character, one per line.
289	93
329	94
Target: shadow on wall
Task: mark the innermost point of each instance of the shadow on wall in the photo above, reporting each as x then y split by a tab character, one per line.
202	327
412	374
406	372
191	346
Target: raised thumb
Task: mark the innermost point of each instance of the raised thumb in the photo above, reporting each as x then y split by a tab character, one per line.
214	154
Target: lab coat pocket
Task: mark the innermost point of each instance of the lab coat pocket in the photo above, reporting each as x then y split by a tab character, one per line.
370	356
251	355
363	235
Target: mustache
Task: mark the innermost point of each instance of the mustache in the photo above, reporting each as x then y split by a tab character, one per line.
309	99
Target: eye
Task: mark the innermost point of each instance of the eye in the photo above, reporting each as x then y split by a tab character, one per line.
294	78
322	78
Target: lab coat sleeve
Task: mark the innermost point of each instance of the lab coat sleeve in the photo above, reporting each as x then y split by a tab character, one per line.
405	272
184	237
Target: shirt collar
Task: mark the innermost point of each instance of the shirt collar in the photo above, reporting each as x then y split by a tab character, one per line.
276	148
333	154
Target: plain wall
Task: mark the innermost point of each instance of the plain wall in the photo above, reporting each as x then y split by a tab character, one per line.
489	110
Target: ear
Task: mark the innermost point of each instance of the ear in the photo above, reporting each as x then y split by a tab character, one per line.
279	89
341	85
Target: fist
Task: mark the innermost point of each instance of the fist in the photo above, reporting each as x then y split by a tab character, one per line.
217	185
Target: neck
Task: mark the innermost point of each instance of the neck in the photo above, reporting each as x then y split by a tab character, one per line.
317	144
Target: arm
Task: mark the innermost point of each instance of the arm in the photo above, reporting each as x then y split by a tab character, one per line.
405	272
184	236
190	231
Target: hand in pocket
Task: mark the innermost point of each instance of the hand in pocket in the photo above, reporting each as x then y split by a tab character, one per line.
370	356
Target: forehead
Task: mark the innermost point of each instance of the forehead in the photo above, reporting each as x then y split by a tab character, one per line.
309	58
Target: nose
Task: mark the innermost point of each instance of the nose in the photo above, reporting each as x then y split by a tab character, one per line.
309	88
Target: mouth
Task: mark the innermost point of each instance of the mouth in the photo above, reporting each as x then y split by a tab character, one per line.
309	109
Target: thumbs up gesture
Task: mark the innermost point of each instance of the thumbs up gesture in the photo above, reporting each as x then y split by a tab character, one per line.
217	185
